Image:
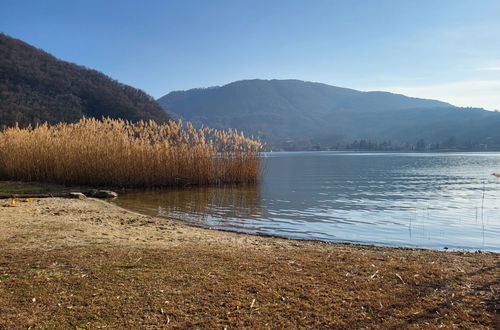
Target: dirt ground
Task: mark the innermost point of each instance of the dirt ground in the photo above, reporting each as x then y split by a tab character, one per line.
85	264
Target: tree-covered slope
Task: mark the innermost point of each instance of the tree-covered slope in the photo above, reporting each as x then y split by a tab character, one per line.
37	87
293	112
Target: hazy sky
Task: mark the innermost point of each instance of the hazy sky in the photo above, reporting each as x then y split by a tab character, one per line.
442	49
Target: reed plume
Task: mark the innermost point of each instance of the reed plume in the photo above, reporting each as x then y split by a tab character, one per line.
111	152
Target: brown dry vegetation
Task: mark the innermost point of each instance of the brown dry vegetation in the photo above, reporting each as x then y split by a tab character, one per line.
88	264
112	152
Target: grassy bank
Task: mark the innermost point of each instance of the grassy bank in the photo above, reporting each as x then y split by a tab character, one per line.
8	189
118	153
94	287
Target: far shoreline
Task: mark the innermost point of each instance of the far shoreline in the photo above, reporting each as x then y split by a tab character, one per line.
390	151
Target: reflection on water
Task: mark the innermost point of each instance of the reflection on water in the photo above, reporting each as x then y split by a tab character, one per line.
205	206
424	200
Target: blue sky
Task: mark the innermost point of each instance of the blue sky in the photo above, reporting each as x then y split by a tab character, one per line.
446	49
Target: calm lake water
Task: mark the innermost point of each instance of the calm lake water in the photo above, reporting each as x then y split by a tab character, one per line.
432	200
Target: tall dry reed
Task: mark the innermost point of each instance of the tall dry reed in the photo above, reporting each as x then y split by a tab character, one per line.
111	152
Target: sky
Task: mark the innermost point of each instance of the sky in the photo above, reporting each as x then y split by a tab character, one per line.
447	49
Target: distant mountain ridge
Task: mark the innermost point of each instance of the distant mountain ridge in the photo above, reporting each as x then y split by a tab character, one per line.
300	114
37	87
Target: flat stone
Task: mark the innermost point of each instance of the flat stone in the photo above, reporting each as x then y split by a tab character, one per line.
104	194
76	195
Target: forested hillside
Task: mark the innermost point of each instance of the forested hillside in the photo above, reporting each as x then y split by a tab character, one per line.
293	114
37	87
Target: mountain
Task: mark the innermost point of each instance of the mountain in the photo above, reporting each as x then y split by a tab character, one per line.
294	114
37	87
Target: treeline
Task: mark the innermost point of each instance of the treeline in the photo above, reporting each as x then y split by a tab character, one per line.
36	87
450	144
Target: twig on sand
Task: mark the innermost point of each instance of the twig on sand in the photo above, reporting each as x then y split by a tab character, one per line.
399	276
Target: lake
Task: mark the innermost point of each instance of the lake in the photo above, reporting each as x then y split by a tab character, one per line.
425	200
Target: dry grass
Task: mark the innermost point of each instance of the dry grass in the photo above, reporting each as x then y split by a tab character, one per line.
189	286
112	152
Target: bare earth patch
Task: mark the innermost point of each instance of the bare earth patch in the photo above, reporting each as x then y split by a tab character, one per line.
90	264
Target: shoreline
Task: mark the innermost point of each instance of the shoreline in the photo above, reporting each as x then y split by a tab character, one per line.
313	240
223	278
243	231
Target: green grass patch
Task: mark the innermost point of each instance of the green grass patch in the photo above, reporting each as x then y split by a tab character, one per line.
11	188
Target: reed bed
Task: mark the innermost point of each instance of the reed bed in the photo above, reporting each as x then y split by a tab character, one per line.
118	153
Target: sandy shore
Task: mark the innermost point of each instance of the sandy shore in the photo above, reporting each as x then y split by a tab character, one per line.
90	264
